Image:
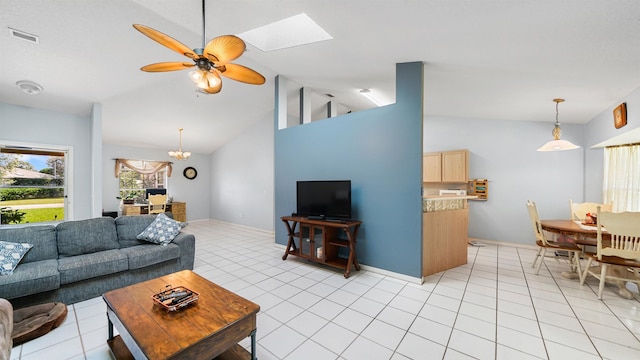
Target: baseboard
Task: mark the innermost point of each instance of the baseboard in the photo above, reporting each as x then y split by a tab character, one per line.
373	269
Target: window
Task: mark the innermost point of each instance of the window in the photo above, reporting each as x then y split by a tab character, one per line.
621	185
137	175
32	185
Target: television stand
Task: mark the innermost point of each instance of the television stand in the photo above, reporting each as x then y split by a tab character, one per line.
317	240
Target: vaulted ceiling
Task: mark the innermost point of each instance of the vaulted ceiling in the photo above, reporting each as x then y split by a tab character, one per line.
484	59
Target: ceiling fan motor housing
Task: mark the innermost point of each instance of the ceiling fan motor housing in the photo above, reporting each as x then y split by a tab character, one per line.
203	64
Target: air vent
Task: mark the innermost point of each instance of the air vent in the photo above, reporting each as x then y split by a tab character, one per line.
24	36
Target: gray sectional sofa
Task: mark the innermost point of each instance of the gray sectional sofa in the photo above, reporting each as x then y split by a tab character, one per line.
78	260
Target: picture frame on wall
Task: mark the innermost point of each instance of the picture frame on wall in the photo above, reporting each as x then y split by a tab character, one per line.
620	115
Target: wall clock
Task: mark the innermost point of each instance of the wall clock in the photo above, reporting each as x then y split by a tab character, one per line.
190	173
620	116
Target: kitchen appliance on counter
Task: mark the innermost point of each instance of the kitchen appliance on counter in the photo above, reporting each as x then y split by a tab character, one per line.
456	192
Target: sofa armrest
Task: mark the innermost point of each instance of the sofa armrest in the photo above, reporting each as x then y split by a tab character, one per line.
187	244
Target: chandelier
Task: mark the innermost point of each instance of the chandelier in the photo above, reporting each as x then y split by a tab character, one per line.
556	144
179	154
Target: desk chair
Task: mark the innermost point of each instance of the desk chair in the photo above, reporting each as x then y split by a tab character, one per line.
579	210
157	204
623	251
572	249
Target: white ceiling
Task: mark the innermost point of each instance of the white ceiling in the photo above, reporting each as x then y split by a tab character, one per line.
496	59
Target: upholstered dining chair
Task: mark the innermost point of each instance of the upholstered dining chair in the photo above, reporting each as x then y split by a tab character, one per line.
543	243
157	204
579	210
623	250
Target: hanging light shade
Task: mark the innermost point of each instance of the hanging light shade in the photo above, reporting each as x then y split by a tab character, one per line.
179	154
556	144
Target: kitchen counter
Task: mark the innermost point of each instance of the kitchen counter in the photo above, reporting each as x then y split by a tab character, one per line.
444	232
449	197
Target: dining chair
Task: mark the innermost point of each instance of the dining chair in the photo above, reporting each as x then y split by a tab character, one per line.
157	204
579	210
543	243
619	258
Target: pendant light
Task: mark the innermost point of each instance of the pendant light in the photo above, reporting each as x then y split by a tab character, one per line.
179	154
556	144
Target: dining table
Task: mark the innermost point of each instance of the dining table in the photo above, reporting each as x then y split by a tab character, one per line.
584	235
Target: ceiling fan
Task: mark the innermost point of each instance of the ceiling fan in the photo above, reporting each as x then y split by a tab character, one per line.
210	60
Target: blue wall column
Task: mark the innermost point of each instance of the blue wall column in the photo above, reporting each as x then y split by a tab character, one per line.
380	151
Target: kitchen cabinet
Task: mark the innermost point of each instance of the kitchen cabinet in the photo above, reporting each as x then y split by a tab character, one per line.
446	167
432	167
444	233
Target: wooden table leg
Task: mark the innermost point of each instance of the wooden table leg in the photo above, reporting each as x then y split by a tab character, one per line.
291	245
353	259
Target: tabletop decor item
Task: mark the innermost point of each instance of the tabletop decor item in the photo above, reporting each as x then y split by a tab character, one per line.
175	298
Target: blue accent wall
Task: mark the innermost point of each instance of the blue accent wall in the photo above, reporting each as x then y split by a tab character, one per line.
380	151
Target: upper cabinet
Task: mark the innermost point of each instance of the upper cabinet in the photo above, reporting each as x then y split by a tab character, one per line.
446	167
432	167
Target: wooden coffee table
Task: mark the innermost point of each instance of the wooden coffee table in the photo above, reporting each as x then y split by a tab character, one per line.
207	329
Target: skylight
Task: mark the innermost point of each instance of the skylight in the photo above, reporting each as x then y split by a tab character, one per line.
293	31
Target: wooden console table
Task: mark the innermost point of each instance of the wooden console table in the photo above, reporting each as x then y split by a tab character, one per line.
317	240
178	209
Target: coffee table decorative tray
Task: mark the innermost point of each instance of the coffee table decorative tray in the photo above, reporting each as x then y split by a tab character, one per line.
175	298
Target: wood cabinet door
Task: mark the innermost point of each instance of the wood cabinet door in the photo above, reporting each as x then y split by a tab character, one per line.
454	166
432	167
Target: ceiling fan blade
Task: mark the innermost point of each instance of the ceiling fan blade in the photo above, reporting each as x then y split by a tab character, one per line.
242	74
167	66
223	49
165	40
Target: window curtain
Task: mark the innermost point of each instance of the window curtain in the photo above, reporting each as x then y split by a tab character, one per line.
621	185
143	166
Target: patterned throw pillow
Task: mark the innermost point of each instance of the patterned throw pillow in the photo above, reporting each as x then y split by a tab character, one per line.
10	255
161	231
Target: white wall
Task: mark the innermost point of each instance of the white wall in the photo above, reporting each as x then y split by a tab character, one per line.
600	129
43	127
195	192
242	178
504	152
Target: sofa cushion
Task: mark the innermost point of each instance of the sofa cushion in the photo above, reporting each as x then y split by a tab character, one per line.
30	278
161	231
87	266
128	227
43	238
86	236
10	255
144	255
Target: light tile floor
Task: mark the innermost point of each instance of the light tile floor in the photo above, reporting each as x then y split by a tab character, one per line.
492	308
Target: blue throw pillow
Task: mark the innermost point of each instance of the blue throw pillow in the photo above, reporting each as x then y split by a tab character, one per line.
161	231
10	255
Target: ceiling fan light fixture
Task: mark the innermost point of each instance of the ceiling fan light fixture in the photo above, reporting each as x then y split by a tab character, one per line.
203	79
211	60
179	154
556	144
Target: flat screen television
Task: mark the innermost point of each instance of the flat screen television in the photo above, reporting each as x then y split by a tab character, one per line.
158	191
327	199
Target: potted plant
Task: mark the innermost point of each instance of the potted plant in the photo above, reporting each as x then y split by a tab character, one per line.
128	199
